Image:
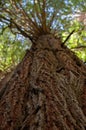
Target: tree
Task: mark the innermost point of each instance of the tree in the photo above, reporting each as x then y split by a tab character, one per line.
47	90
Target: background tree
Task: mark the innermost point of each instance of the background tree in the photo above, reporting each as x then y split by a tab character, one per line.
47	90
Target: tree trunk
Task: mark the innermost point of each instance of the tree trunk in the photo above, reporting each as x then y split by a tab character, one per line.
47	90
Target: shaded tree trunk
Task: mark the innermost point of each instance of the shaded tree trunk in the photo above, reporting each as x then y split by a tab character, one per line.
47	90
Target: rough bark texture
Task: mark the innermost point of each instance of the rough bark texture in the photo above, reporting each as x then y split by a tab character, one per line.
47	90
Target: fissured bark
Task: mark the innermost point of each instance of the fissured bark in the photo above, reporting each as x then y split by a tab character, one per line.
47	90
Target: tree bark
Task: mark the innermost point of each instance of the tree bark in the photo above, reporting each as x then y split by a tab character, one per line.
47	90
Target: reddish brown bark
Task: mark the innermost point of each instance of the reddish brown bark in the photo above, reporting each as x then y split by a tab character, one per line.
47	90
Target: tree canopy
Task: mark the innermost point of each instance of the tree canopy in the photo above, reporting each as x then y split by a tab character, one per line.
21	20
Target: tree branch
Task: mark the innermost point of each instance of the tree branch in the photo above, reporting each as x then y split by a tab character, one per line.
68	37
79	47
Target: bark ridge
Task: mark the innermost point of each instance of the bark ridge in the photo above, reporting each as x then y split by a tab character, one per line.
47	90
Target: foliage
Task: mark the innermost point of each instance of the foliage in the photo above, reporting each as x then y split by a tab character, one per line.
20	20
77	41
12	49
